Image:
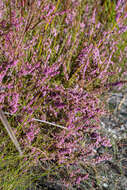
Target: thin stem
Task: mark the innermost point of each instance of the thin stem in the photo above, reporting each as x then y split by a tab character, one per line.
10	131
43	121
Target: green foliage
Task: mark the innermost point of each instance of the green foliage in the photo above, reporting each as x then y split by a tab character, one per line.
107	13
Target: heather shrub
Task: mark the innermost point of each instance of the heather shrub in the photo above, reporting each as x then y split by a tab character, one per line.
55	61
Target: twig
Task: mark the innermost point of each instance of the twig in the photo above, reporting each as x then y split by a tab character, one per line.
47	122
43	121
10	131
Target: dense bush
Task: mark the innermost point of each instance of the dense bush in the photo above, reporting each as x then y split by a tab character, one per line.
55	61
